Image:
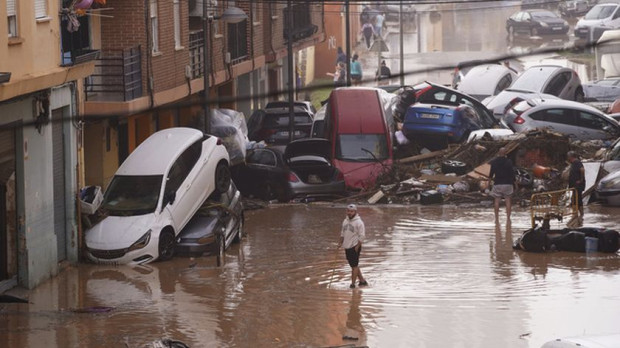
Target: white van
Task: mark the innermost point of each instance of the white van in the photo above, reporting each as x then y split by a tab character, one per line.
602	16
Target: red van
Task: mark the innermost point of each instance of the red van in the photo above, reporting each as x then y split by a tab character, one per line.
356	125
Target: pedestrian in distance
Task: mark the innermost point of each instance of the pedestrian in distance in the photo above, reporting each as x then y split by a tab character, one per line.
503	176
356	70
379	24
383	74
339	75
352	236
576	180
341	56
368	31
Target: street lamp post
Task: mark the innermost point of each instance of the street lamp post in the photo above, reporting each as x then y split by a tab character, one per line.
230	15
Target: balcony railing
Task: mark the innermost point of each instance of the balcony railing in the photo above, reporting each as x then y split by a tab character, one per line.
196	53
117	77
302	23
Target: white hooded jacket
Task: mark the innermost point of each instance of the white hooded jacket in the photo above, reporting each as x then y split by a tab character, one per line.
353	231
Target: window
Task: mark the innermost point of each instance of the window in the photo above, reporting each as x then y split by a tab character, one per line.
591	121
40	8
154	27
176	8
561	116
256	9
183	166
262	157
11	13
556	85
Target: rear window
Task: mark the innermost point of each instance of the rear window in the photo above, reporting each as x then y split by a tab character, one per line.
282	120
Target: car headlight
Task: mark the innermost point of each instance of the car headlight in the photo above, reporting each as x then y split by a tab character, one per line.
142	242
543	24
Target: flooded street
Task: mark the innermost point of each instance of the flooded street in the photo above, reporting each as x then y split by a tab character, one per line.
440	276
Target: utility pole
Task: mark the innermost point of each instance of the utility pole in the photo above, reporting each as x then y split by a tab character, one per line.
402	46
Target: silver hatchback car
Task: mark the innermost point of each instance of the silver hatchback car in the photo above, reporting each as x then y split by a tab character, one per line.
578	121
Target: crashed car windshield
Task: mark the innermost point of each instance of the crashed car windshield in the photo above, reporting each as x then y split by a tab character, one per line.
130	195
362	147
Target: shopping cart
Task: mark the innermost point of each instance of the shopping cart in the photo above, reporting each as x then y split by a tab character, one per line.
546	206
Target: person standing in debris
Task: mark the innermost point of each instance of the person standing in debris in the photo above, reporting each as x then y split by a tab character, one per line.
503	176
352	236
576	179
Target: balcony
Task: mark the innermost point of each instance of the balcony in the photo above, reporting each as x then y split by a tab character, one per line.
117	77
76	43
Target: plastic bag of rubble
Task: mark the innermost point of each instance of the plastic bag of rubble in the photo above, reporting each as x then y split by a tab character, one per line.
461	186
229	125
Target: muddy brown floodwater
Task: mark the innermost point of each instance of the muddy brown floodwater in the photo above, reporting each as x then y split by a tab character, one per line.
440	276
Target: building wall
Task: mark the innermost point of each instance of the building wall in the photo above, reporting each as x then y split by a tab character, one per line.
37	46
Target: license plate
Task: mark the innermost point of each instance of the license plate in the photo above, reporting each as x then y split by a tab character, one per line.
557	28
431	116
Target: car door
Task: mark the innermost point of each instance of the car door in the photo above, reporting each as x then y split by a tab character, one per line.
262	168
558	120
594	126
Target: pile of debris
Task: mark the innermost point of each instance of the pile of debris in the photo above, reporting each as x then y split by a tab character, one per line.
460	173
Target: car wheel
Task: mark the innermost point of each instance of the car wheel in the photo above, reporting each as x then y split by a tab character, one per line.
523	177
534	32
453	166
222	178
239	235
579	95
166	246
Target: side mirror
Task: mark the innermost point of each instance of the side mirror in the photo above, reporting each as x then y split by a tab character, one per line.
170	197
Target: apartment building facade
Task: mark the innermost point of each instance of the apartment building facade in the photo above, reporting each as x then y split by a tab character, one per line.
41	87
83	82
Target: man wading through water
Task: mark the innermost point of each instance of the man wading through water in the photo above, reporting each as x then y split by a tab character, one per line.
351	238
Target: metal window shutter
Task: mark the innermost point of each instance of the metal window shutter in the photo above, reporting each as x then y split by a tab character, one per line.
10	8
7	154
40	8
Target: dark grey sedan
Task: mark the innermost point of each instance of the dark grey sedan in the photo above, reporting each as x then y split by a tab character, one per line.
217	224
536	22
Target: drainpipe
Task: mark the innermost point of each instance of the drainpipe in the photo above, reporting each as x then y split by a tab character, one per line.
149	52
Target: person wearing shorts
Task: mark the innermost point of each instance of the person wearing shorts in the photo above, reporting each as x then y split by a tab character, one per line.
352	236
503	176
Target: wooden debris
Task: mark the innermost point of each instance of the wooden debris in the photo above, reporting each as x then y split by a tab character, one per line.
376	197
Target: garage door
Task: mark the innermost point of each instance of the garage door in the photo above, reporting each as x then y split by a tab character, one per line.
7	168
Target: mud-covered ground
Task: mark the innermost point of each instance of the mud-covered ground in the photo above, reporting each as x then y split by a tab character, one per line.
440	276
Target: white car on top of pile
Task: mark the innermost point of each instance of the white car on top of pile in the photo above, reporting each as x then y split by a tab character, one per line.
153	195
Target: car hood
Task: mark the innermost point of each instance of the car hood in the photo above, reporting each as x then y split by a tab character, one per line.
589	22
312	146
199	226
118	232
